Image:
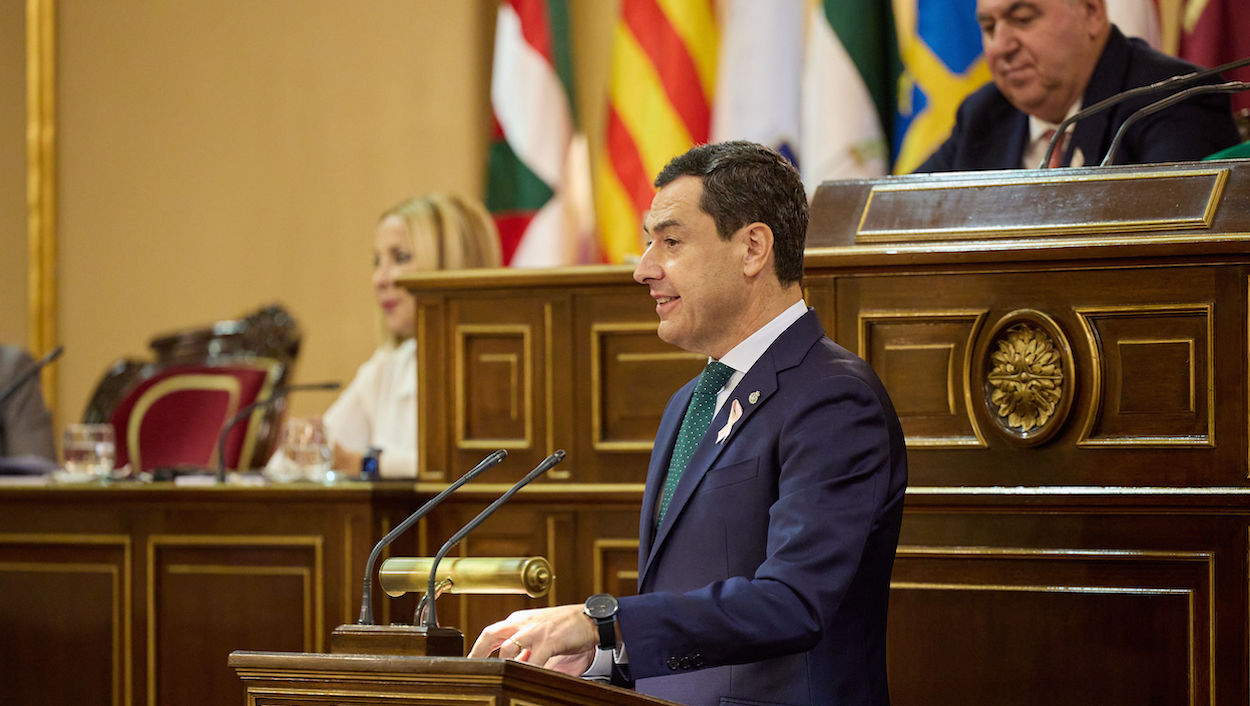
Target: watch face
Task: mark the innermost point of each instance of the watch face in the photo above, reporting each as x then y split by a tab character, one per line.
601	605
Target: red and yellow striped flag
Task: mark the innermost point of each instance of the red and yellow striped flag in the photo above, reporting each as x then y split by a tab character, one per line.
659	105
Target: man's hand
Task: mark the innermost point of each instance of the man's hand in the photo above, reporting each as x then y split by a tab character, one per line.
561	638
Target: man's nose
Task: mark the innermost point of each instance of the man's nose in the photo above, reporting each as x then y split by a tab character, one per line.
646	268
1000	42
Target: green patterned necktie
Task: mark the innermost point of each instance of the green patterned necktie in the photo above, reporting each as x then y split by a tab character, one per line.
693	427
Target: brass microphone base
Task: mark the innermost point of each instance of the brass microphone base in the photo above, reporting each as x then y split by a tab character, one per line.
406	640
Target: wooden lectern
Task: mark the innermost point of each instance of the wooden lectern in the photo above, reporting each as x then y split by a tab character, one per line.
286	678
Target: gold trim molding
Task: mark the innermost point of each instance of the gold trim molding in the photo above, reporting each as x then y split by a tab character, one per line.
41	184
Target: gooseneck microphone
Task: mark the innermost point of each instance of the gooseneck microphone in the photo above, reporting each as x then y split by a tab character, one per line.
431	617
1229	87
29	373
366	602
277	395
1165	84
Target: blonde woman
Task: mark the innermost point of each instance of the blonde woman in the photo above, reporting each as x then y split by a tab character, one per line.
379	407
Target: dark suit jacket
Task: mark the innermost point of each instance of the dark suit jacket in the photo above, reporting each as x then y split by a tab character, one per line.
25	424
767	582
990	133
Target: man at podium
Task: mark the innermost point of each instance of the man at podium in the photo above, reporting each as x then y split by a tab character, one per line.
775	490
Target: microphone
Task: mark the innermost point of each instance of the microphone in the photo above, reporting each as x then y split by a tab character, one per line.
366	602
431	616
1118	98
1230	87
274	397
29	373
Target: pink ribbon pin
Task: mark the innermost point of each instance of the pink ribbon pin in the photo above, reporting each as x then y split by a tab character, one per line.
735	413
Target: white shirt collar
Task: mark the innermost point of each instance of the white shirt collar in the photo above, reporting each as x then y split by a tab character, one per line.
743	356
1038	127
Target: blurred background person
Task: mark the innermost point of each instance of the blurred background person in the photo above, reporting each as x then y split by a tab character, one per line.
1050	58
25	423
379	408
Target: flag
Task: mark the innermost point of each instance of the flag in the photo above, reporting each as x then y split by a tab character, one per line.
659	105
939	43
533	175
1214	32
850	68
759	74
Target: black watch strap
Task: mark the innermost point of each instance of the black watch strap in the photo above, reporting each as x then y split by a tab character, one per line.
601	608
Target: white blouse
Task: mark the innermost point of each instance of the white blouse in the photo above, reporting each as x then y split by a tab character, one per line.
379	408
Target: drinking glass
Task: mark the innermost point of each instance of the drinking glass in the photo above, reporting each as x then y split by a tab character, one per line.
89	450
306	449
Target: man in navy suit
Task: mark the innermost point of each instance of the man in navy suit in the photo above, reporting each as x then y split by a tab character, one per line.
1050	58
765	558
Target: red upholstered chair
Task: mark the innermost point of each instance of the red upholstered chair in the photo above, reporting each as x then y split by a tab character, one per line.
174	416
170	411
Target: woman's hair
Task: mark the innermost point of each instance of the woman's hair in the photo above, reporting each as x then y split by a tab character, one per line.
449	232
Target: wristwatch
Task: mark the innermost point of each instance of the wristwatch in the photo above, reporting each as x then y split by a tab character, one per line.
601	608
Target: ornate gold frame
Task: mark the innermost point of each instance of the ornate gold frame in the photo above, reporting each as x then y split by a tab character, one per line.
41	183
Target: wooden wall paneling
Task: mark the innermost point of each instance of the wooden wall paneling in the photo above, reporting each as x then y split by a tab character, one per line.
66	611
263	593
1100	598
625	375
434	390
501	376
1172	310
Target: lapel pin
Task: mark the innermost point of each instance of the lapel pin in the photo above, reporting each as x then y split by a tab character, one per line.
735	412
754	397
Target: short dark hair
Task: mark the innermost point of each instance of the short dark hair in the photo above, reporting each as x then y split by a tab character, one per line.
744	182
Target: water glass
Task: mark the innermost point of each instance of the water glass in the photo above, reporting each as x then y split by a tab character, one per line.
306	449
89	450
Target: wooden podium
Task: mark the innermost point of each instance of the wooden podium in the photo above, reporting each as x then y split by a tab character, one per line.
287	678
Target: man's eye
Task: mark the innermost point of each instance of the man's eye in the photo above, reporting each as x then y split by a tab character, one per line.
402	257
1023	18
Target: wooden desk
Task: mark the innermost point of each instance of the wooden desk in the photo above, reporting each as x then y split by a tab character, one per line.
134	594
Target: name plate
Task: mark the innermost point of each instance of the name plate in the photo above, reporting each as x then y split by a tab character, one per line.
1039	204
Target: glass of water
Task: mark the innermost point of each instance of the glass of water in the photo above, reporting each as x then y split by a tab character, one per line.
306	449
89	451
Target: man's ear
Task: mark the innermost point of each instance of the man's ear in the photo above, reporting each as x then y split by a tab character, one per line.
759	249
1095	15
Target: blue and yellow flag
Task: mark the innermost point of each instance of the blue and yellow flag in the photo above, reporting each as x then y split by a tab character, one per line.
939	43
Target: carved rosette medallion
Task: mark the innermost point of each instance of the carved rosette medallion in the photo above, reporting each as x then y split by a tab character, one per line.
1028	376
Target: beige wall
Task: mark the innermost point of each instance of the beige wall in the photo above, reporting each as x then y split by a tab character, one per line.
13	315
213	157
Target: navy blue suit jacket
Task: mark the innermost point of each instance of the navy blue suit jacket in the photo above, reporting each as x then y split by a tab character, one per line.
768	580
990	133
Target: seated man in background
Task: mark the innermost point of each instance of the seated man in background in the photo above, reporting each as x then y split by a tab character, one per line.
25	424
1050	58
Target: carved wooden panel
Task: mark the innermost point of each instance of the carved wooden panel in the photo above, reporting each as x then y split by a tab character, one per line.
632	375
506	384
1157	383
262	593
66	611
494	398
615	566
625	375
922	357
993	620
